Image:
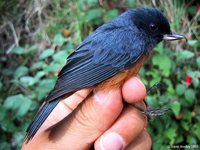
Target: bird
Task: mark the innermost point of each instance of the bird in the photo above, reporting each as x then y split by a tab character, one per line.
106	58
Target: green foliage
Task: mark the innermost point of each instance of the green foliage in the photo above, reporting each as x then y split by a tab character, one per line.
175	106
178	95
29	72
19	104
163	62
31	81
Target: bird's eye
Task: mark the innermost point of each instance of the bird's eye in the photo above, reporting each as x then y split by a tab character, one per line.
153	27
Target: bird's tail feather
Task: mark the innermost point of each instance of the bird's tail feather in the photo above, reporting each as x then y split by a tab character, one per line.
39	119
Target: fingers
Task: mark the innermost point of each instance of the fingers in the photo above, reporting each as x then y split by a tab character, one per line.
133	90
143	141
100	112
65	107
126	129
84	125
75	99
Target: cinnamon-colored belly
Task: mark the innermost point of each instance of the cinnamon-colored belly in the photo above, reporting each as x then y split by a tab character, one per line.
118	80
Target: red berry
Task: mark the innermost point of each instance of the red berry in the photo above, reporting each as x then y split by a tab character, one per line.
188	80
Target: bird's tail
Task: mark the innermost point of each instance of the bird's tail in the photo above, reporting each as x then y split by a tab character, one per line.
39	119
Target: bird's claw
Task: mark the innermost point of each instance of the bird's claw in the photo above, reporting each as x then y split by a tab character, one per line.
155	112
152	112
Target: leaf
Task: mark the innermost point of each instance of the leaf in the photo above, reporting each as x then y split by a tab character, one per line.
21	71
19	50
27	80
7	124
190	96
193	9
185	55
53	67
45	86
194	43
7	72
60	56
18	103
197	130
180	89
171	134
164	99
159	48
198	61
191	140
160	146
163	62
59	39
46	53
187	115
39	75
1	85
195	75
111	14
152	102
170	88
91	2
195	82
176	107
130	3
2	112
39	65
185	125
92	14
19	138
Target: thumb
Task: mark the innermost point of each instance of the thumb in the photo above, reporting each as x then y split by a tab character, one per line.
89	120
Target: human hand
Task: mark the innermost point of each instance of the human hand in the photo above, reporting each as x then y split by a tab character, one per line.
103	120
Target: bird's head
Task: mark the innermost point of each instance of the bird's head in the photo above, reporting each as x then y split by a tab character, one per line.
153	24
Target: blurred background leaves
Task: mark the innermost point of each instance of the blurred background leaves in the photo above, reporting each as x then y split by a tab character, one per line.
37	36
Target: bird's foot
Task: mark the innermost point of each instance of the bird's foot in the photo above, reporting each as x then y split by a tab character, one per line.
155	86
152	112
155	112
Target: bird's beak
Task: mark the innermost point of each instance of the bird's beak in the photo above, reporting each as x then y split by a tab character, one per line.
174	36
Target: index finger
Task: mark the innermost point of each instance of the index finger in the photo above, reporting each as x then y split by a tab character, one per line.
65	107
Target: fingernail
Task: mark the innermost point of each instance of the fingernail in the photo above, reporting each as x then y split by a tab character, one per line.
139	80
112	141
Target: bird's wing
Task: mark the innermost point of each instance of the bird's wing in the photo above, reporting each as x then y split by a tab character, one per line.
87	67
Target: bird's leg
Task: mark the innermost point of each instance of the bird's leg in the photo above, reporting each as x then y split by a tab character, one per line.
156	111
155	86
152	112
